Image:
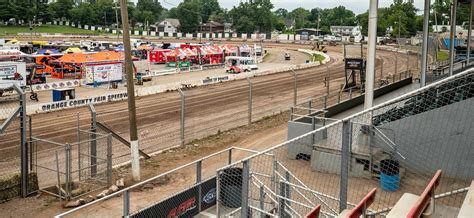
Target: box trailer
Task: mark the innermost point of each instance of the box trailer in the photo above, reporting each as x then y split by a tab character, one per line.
12	73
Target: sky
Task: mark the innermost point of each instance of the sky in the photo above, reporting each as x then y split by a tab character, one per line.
358	6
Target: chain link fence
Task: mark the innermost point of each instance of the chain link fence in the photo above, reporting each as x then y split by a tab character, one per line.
395	147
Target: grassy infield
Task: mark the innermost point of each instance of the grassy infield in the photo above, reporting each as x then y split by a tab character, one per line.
14	30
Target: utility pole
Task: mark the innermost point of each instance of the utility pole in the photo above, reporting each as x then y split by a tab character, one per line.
452	36
424	50
371	49
469	34
399	27
131	93
116	19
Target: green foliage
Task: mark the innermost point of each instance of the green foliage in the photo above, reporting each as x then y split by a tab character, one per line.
43	29
253	16
400	16
189	15
443	55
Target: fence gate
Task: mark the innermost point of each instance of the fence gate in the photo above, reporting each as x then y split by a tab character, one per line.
71	170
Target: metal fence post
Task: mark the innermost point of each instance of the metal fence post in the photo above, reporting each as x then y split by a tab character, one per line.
250	102
345	156
381	69
310	106
262	200
79	146
295	87
126	203
313	127
218	194
23	146
109	160
274	170
288	187
350	93
396	64
183	105
198	181
244	213
30	143
93	152
408	60
328	79
68	169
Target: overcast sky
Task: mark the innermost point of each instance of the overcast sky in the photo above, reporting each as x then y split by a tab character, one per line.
358	6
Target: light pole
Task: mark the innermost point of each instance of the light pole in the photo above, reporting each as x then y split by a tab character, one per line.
116	18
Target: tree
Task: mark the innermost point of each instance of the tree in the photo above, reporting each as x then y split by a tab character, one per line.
253	16
60	8
189	15
281	13
147	11
209	8
84	13
301	17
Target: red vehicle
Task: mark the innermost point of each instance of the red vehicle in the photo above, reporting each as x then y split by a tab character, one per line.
158	56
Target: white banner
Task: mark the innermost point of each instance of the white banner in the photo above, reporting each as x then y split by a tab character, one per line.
56	85
103	73
59	105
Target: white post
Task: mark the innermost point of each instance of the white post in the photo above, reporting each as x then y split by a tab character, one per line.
371	44
452	36
424	51
469	35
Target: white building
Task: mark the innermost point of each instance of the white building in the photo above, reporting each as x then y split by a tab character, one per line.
169	25
346	30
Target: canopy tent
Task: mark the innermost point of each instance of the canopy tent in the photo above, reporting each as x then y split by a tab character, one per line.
73	50
47	52
79	58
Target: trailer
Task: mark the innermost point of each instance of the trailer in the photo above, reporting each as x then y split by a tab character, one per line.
12	73
158	56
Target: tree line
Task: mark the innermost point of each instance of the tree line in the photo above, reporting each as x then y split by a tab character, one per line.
400	18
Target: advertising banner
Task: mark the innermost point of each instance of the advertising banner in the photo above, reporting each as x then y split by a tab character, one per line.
185	204
104	73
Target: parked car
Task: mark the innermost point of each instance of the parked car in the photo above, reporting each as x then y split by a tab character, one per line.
287	56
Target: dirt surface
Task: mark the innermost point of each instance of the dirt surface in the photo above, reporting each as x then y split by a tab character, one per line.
209	109
258	136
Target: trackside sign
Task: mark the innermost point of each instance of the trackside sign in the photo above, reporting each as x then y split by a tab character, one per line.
81	102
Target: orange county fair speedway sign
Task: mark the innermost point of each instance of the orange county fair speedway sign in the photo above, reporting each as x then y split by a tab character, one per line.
81	102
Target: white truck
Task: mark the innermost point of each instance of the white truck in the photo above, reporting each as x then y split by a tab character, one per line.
12	73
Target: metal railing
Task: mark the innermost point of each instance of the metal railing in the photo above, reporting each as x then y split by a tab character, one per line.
199	177
348	158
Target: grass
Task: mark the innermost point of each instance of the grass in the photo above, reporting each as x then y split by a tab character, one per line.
317	57
14	30
266	57
443	55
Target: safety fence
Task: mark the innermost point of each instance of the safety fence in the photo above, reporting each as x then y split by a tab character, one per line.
72	170
395	147
186	190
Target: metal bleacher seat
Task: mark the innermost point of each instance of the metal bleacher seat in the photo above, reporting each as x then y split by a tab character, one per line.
467	208
361	208
423	204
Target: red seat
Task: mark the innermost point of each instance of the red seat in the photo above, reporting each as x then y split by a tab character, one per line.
314	213
423	201
362	206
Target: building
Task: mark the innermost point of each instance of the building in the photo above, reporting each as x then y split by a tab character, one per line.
168	25
290	24
212	27
346	30
308	31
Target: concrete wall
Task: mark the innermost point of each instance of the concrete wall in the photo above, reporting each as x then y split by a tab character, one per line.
439	139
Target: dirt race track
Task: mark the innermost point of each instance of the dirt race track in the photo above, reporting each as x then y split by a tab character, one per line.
209	110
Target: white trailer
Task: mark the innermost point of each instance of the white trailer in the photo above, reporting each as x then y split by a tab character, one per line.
12	73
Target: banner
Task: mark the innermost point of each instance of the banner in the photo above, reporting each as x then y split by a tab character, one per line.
185	204
82	102
56	85
103	73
